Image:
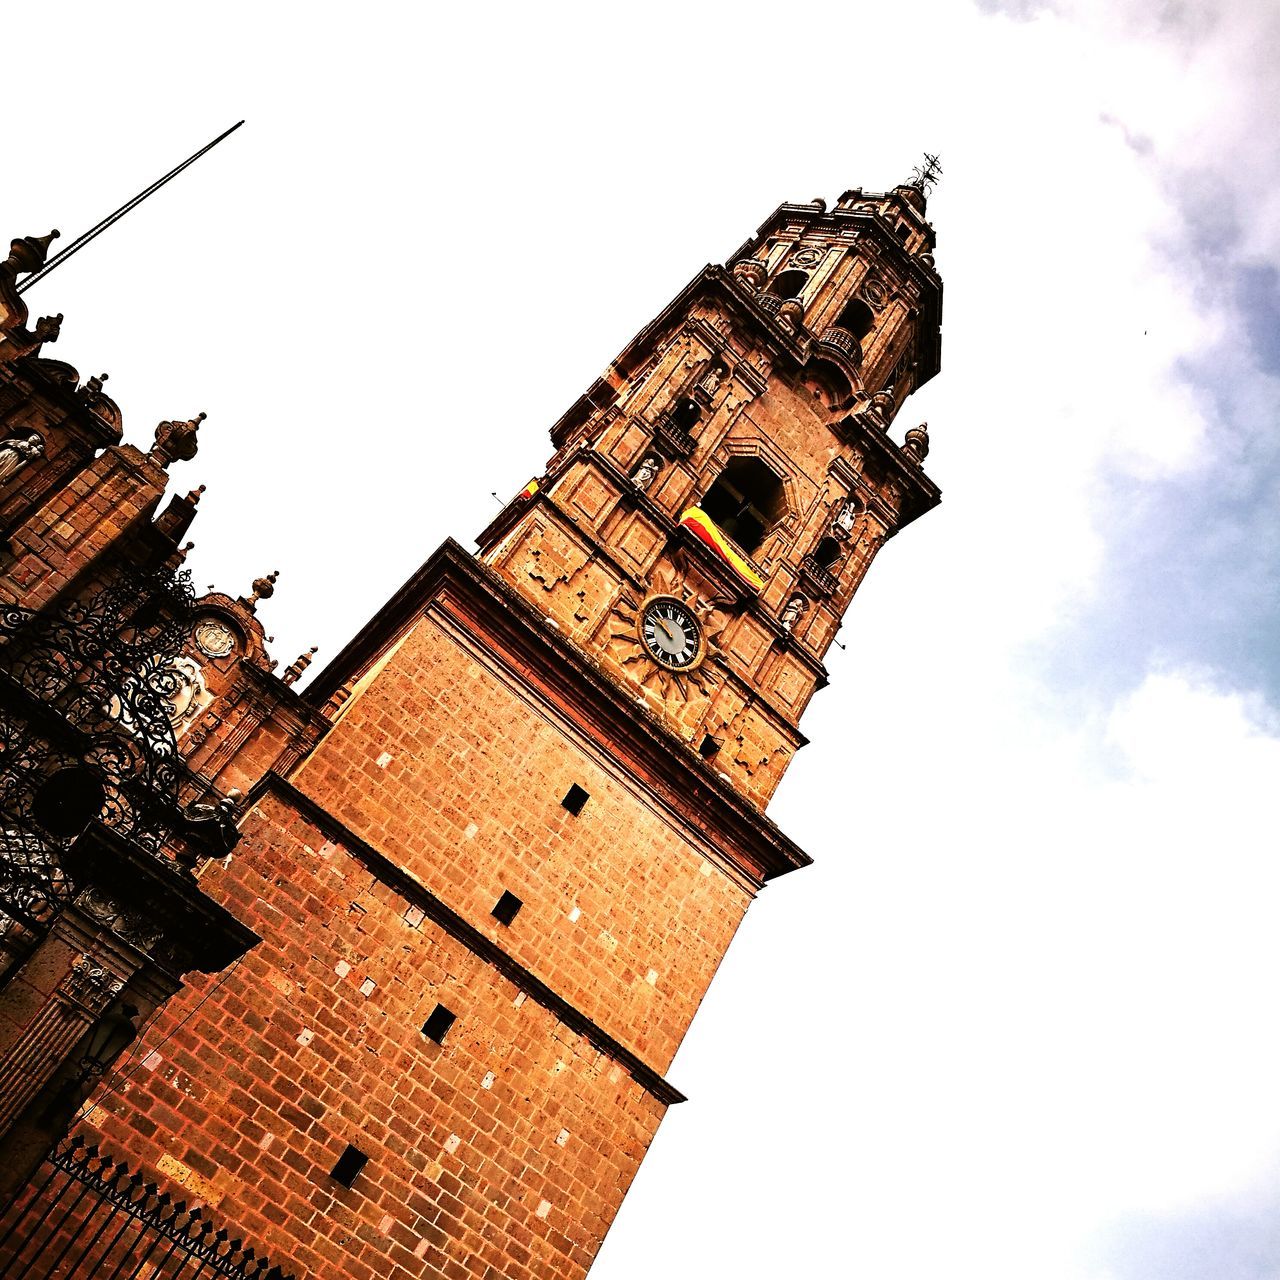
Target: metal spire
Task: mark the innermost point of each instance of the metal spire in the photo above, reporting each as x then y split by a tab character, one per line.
926	174
80	242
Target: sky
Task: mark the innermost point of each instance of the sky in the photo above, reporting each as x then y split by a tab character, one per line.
1019	1017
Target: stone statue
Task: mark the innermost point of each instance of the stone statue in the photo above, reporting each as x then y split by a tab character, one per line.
843	523
792	611
711	383
17	453
647	472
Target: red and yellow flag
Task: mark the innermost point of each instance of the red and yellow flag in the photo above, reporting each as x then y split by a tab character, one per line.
704	529
529	490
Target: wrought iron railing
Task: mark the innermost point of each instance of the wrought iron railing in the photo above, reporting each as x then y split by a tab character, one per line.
844	342
86	737
672	440
88	1216
819	575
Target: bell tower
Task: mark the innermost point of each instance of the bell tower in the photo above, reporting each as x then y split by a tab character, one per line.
495	883
717	496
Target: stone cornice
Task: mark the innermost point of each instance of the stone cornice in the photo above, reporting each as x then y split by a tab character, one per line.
102	433
710	807
711	566
413	891
195	931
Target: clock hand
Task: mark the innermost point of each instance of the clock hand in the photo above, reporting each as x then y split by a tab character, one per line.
671	635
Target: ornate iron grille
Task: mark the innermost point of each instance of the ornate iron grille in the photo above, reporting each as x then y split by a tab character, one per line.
86	734
92	1216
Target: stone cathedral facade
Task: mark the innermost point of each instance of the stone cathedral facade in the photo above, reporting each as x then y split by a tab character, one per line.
420	942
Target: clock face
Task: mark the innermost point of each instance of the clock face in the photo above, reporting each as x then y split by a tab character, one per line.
670	633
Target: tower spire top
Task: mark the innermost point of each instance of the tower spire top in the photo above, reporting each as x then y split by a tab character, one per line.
924	177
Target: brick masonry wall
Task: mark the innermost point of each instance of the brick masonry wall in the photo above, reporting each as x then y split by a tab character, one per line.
504	1152
452	767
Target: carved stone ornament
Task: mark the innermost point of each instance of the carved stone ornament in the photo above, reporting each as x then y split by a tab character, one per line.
750	271
133	926
214	638
710	383
807	257
87	983
875	292
181	685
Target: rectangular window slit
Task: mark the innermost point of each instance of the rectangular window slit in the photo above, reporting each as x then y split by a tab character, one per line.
575	798
507	907
350	1162
437	1025
709	746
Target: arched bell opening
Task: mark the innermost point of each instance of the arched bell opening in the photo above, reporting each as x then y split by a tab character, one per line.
788	284
856	318
746	501
827	553
686	414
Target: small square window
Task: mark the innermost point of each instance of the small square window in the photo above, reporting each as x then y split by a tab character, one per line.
709	746
350	1162
507	908
575	798
437	1025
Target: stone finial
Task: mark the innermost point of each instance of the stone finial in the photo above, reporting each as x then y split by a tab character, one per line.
263	588
790	313
916	444
25	256
29	253
299	665
194	496
176	441
880	407
47	328
750	271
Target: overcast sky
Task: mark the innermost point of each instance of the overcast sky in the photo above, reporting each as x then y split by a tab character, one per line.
1019	1020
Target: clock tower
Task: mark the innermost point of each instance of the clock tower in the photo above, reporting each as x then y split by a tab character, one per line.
717	496
496	884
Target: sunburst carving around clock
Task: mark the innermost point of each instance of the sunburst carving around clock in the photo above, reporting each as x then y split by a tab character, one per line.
672	633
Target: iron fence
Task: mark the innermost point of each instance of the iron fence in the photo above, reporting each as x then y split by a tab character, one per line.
88	1216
